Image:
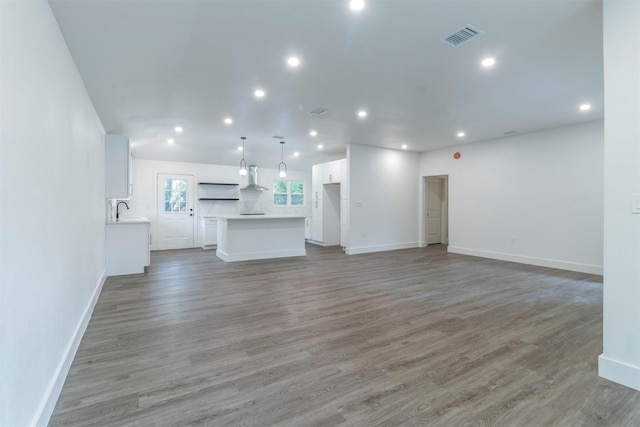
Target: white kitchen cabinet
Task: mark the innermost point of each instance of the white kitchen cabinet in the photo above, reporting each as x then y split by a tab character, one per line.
117	167
316	181
209	232
334	171
127	246
316	210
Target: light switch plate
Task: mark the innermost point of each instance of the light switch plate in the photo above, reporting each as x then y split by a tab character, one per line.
635	203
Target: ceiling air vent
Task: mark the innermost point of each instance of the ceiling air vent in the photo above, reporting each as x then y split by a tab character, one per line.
511	132
318	110
462	36
277	137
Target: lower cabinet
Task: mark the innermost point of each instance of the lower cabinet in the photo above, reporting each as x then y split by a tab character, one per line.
128	249
209	232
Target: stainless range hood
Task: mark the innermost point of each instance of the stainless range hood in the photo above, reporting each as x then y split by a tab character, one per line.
253	180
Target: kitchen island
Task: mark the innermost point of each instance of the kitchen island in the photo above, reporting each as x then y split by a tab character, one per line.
247	237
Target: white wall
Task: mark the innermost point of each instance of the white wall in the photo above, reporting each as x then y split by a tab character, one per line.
383	199
144	200
620	360
535	198
52	257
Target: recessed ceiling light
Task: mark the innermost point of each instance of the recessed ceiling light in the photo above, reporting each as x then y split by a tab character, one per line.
313	133
356	4
228	120
460	134
404	146
170	141
296	154
293	61
178	129
240	148
259	93
362	113
488	62
585	107
320	146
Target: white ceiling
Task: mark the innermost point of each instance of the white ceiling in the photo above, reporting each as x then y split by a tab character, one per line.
151	65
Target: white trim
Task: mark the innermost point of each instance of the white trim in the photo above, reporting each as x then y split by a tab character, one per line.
48	403
619	372
542	262
247	256
381	248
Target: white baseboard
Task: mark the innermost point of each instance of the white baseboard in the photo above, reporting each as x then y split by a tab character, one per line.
50	399
380	248
542	262
619	372
315	242
247	256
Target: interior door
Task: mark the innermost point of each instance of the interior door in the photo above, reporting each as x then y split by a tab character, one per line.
434	211
175	211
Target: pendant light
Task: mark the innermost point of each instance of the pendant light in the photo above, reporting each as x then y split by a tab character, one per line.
243	163
282	167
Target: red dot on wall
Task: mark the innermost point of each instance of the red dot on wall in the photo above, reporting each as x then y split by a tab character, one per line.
456	155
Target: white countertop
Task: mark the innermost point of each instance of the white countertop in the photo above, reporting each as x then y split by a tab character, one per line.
141	220
269	216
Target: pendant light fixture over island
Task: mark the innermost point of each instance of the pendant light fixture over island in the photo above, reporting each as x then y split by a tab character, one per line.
282	166
243	163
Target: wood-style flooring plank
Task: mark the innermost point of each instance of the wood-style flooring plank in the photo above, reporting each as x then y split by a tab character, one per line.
416	337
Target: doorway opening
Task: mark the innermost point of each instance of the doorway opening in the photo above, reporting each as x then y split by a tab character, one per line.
436	209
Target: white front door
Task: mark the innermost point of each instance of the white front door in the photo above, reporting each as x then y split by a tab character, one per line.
434	210
175	211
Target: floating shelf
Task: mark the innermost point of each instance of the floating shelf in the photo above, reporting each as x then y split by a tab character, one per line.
218	198
216	183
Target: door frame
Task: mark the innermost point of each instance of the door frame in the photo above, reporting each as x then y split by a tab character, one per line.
194	225
444	208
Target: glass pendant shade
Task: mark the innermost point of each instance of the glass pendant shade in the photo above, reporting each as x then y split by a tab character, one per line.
282	167
243	163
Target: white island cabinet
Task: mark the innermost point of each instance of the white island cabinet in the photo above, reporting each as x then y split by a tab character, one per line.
246	237
127	246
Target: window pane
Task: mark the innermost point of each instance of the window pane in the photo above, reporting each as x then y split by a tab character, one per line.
280	199
297	187
297	199
280	186
175	195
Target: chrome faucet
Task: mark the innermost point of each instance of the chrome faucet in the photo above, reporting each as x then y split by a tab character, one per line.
118	209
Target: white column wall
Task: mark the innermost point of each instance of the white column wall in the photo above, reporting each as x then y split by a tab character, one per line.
383	199
620	360
52	222
535	198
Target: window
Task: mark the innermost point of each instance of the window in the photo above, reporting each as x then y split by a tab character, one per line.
175	195
288	193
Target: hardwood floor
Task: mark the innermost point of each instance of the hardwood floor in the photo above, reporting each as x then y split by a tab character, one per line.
416	337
